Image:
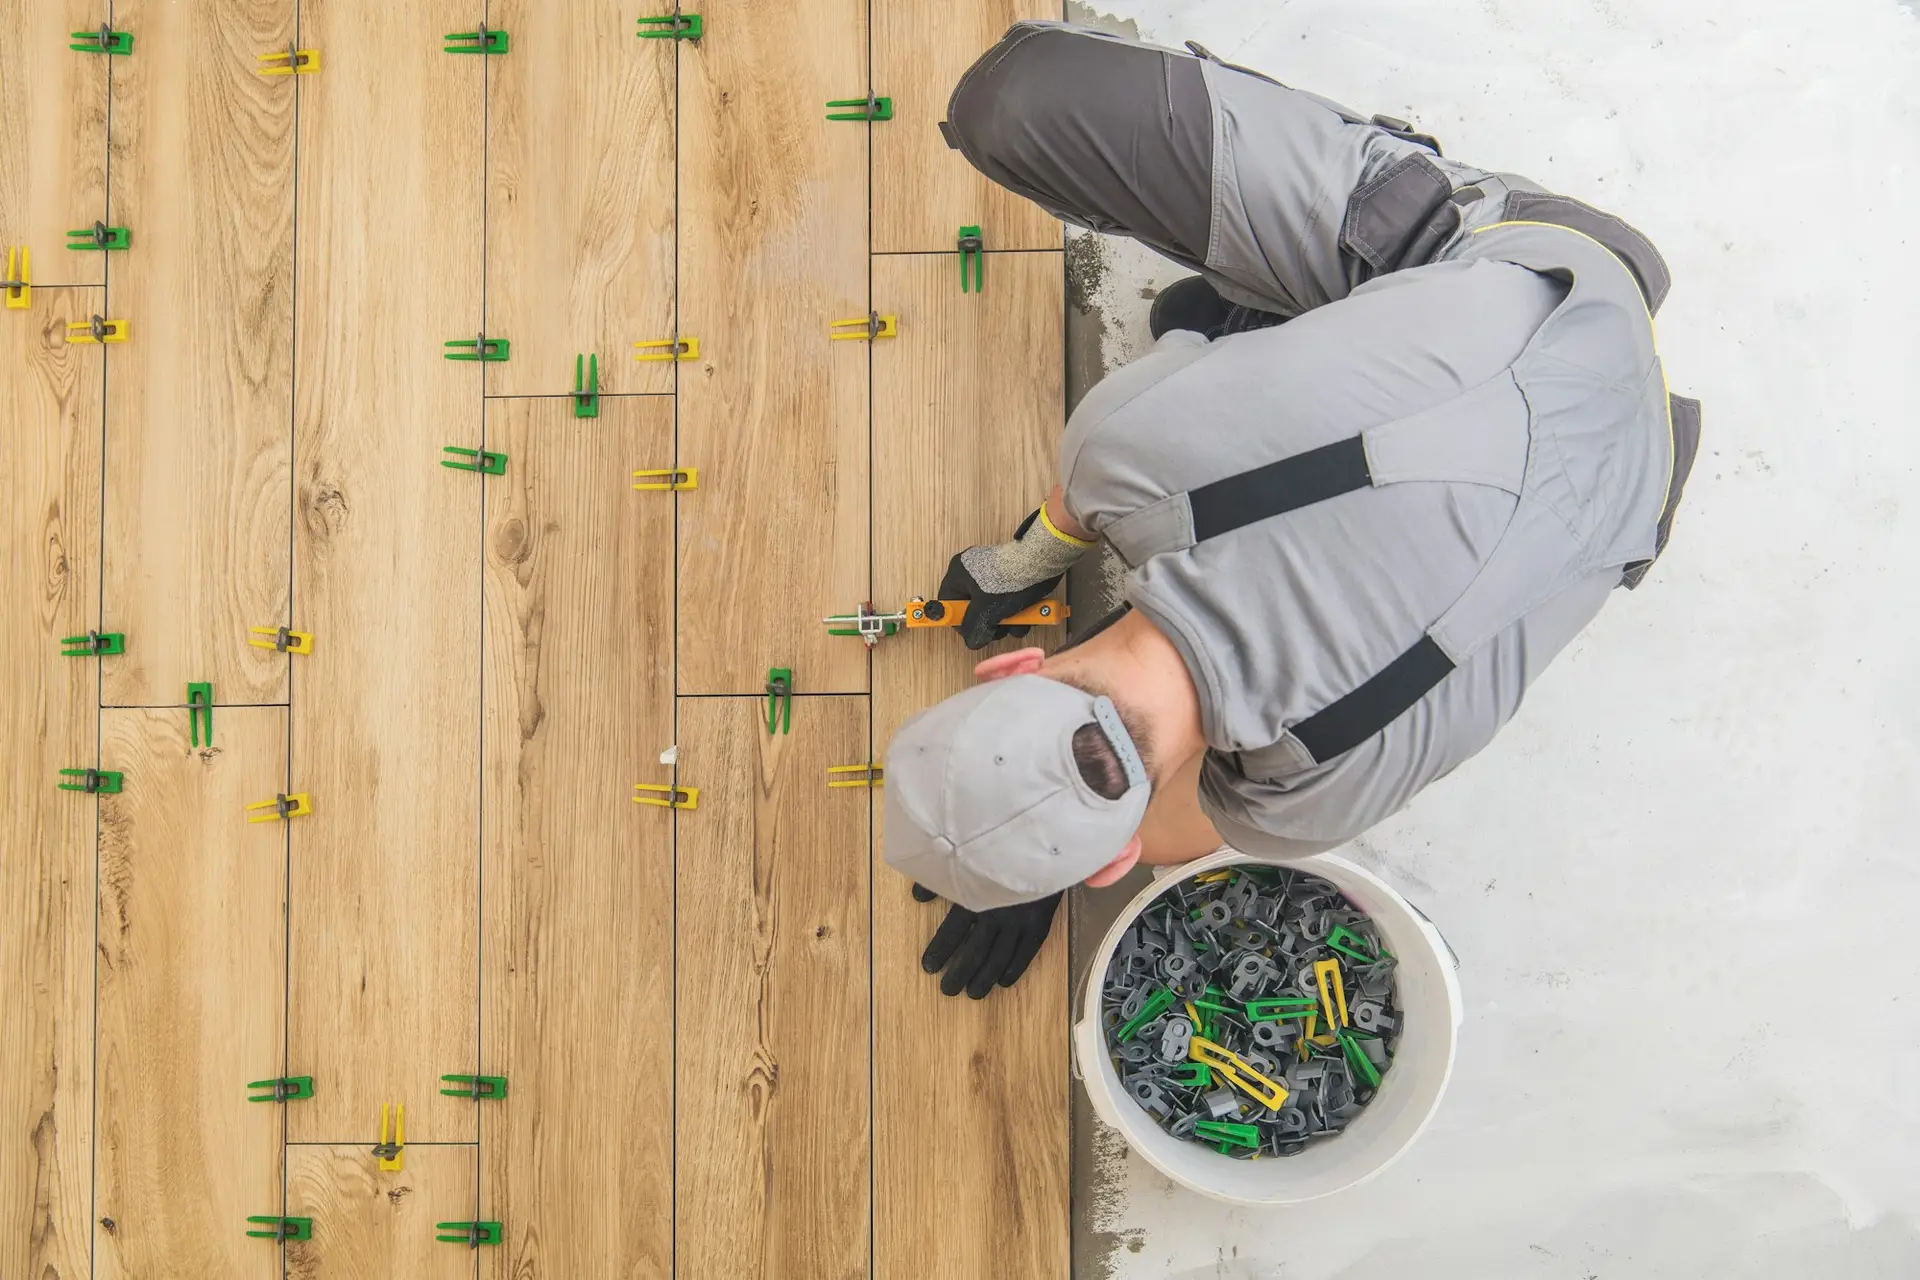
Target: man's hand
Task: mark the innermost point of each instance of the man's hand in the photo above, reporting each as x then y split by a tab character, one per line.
983	949
1002	579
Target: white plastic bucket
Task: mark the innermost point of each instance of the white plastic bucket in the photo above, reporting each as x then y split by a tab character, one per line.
1429	1000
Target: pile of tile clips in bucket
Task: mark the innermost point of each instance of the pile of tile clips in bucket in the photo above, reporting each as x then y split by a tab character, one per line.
1251	1010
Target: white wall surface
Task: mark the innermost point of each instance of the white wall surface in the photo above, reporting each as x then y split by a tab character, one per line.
1684	884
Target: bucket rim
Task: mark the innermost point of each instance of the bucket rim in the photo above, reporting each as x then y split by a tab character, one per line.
1087	1041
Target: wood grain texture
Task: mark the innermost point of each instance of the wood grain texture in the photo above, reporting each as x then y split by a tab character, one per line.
923	191
198	401
192	996
578	1013
771	1078
384	914
50	564
773	248
53	136
580	196
369	1225
967	414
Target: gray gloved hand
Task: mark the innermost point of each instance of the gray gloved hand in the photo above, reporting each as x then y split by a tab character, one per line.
1001	579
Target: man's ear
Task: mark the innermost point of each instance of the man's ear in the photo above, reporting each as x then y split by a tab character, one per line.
1118	867
1021	662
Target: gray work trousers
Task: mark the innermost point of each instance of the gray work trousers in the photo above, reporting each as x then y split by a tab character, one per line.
1283	200
1221	169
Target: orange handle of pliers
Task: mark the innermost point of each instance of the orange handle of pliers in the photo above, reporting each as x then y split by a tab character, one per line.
1047	613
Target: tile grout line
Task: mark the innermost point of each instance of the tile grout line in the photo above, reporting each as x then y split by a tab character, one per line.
849	693
360	1144
293	463
480	574
179	706
100	696
873	1183
935	253
568	395
1066	903
673	712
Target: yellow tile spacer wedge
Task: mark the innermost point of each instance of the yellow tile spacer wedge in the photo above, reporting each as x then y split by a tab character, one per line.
1238	1072
668	797
870	326
18	286
96	329
1333	992
393	1137
667	349
280	809
856	775
280	639
288	62
675	479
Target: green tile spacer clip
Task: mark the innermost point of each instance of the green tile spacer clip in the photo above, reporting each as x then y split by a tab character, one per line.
282	1089
672	26
106	782
471	1234
1281	1008
586	386
1157	1003
1353	946
779	700
199	712
481	41
891	629
971	248
1192	1075
284	1228
105	40
491	350
492	464
870	626
871	108
1357	1057
479	1088
94	644
99	236
1227	1134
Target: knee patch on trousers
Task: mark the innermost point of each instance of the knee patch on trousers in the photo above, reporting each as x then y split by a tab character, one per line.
1101	132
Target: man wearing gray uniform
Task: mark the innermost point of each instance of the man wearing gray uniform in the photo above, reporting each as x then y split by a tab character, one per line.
1395	445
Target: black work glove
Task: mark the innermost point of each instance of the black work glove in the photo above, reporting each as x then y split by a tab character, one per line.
983	949
1001	579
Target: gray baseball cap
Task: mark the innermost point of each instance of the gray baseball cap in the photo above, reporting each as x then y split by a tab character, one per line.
985	805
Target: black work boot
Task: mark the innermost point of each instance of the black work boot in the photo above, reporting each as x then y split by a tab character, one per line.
1188	304
1193	304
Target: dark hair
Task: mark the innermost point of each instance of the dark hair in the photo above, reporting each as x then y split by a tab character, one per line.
1099	763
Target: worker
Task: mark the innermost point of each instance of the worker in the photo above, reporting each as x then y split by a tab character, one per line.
1396	442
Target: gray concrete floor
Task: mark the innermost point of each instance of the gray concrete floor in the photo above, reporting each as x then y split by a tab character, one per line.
1715	782
1091	592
